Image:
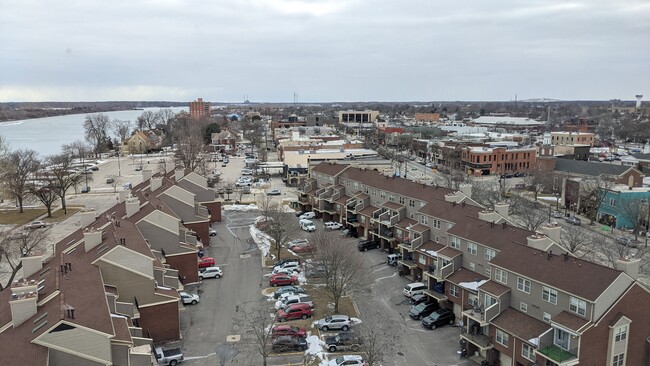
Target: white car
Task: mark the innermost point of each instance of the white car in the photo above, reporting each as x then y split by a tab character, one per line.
210	272
333	225
189	298
293	266
288	271
307	215
35	225
247	172
347	360
294	299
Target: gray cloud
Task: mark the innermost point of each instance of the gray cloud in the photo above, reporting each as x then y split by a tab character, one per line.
325	50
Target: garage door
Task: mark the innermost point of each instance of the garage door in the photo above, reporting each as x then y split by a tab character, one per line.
505	360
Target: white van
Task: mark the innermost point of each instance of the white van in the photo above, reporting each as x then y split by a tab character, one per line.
307	225
308	215
414	288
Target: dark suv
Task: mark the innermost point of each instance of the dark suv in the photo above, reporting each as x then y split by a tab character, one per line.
422	310
287	344
364	245
439	318
343	342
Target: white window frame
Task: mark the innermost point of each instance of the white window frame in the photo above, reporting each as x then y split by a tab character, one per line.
489	254
523	307
453	290
472	266
424	220
521	285
549	295
436	224
547	317
455	242
620	333
618	360
578	306
488	272
422	259
502	338
501	276
527	352
472	248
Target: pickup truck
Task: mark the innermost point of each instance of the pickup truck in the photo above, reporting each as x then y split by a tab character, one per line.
170	357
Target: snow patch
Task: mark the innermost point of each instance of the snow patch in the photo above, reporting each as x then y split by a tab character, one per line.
356	320
431	252
241	208
534	341
316	348
118	316
472	285
262	240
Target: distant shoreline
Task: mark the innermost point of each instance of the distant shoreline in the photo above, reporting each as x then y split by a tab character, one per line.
10	112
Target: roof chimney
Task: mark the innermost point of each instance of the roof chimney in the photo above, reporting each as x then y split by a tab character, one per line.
629	266
179	174
92	238
132	206
31	265
466	189
489	216
122	195
552	230
502	209
24	297
146	175
538	241
156	183
87	218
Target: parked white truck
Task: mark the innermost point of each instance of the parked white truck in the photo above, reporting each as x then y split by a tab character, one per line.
170	357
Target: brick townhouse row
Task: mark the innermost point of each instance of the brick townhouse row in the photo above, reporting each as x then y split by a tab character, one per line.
110	289
522	299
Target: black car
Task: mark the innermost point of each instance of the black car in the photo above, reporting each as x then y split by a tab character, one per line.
85	189
418	299
286	260
287	289
422	310
626	242
364	245
288	343
343	342
439	318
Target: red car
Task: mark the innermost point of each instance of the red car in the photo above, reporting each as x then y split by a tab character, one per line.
206	262
307	248
282	279
288	330
294	311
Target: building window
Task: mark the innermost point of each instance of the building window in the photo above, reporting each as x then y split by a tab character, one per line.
362	219
453	290
550	295
502	338
471	248
424	220
437	239
422	259
527	352
391	198
620	333
547	317
618	360
612	202
455	242
401	200
382	194
411	203
472	266
523	307
500	276
488	272
436	224
489	254
578	306
523	285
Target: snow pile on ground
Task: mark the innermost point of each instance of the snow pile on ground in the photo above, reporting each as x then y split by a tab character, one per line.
355	320
262	240
241	208
316	348
288	209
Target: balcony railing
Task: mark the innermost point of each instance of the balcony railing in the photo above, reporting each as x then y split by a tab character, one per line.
171	281
481	340
336	196
446	271
416	242
203	211
559	355
127	308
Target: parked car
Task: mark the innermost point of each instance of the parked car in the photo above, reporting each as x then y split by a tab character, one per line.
35	225
364	245
439	318
307	215
206	262
297	242
288	290
299	213
282	280
556	214
294	299
308	248
331	225
94	168
573	220
288	344
392	259
626	242
274	192
307	225
294	311
210	272
343	342
110	180
286	260
287	271
315	272
246	172
212	232
342	322
422	310
347	360
414	288
85	189
418	299
170	357
292	266
288	330
138	168
187	298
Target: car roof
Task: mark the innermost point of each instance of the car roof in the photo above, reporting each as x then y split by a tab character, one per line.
339	316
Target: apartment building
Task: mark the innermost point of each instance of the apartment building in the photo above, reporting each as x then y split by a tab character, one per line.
498	160
200	109
358	116
521	298
110	289
563	138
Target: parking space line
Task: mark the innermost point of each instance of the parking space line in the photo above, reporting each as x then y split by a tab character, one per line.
385	277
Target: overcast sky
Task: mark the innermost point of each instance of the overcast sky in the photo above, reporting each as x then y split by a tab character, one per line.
324	50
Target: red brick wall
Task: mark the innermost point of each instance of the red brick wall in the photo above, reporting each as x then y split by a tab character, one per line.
215	211
202	229
638	178
187	266
161	321
593	343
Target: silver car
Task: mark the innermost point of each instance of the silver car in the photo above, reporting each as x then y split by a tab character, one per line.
342	322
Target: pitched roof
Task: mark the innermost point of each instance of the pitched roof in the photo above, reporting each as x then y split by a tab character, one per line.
329	168
588	280
368	210
494	236
465	275
494	288
641	156
449	252
342	200
449	211
430	248
569	321
589	167
520	325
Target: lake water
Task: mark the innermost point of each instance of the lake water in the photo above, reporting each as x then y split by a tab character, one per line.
46	135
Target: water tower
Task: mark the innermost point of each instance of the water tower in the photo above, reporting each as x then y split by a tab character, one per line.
638	100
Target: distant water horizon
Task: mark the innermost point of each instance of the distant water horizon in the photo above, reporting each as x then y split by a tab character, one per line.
46	135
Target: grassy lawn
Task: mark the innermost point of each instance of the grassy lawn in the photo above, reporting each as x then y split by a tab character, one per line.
14	217
58	215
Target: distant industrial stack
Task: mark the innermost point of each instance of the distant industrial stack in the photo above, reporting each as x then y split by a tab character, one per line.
638	100
200	109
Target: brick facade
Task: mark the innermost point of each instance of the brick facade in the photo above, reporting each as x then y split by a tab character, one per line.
161	321
187	266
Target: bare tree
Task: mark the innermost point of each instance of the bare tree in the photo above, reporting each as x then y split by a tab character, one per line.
165	115
96	131
253	132
17	167
43	188
114	183
537	181
121	129
61	166
281	226
608	252
229	188
190	148
380	339
453	179
592	195
527	213
258	325
486	193
4	146
15	245
344	271
577	241
147	120
632	211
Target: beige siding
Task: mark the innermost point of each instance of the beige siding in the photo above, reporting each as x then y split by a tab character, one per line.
58	358
180	194
130	285
79	341
120	354
182	209
163	220
130	259
609	296
159	238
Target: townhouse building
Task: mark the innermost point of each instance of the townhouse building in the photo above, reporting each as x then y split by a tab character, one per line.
518	296
109	291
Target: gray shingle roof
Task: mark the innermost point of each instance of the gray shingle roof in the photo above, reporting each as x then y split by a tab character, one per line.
642	156
589	167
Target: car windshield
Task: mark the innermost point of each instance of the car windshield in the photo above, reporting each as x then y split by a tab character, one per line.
434	316
328	319
339	360
420	307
